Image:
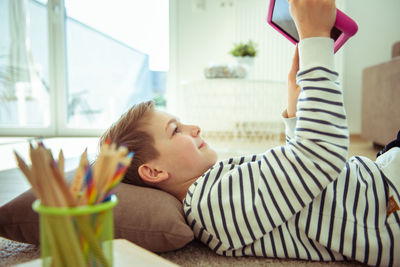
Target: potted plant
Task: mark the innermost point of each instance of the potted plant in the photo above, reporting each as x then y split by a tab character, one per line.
248	49
244	54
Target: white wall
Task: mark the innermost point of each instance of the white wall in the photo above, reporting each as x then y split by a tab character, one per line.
379	29
191	33
196	31
201	37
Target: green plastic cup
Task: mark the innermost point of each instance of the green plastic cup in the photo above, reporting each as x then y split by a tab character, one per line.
78	236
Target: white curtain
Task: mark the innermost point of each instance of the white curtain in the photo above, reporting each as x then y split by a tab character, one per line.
24	80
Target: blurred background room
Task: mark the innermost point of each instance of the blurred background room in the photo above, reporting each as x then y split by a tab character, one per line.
70	68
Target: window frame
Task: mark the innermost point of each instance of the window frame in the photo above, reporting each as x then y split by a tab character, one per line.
58	78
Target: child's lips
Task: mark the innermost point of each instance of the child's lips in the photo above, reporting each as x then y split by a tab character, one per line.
203	144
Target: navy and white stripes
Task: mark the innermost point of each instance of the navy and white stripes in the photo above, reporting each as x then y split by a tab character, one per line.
301	200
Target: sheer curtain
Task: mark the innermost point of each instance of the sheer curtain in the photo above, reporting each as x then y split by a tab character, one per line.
22	91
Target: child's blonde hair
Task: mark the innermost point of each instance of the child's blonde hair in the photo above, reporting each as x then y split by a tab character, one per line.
130	132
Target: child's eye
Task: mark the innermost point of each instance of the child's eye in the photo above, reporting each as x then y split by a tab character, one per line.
176	130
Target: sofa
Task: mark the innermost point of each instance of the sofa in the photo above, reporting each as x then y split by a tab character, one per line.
381	100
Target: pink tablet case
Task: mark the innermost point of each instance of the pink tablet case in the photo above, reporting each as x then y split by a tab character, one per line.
343	22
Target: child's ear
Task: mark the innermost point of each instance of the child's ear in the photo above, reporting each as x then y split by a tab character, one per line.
152	175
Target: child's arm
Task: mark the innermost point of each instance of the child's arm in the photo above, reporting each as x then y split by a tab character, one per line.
293	88
293	91
313	18
259	193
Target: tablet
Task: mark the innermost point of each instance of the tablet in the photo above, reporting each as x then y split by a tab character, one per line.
279	18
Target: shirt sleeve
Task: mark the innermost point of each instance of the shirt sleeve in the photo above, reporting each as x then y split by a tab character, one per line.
242	200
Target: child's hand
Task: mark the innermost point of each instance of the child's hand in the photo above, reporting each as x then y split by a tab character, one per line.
293	88
313	18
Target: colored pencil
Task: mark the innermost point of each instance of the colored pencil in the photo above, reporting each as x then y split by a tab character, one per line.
90	185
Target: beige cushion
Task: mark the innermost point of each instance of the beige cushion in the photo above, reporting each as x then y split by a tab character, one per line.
148	217
396	50
381	101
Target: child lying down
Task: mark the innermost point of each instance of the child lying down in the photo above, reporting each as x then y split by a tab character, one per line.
303	200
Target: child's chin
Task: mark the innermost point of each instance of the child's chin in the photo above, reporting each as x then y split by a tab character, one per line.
215	157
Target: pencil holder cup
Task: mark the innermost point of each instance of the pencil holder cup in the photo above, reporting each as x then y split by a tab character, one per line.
78	236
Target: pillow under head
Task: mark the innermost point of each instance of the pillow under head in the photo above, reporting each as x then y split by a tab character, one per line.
150	218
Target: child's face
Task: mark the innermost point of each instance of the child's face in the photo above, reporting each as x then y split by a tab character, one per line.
183	153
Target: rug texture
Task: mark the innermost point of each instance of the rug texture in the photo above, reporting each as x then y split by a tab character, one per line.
197	254
12	252
194	254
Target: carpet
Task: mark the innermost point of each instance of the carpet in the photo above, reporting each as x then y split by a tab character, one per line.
194	254
12	252
199	255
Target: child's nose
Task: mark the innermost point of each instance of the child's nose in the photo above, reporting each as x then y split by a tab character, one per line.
195	131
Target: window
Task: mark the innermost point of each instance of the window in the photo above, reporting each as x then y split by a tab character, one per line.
113	58
104	57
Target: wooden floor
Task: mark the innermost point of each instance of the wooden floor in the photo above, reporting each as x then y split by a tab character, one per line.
12	184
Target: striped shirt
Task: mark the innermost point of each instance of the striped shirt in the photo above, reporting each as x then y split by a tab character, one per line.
303	200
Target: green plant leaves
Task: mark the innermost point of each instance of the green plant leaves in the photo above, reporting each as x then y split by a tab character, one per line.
244	49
